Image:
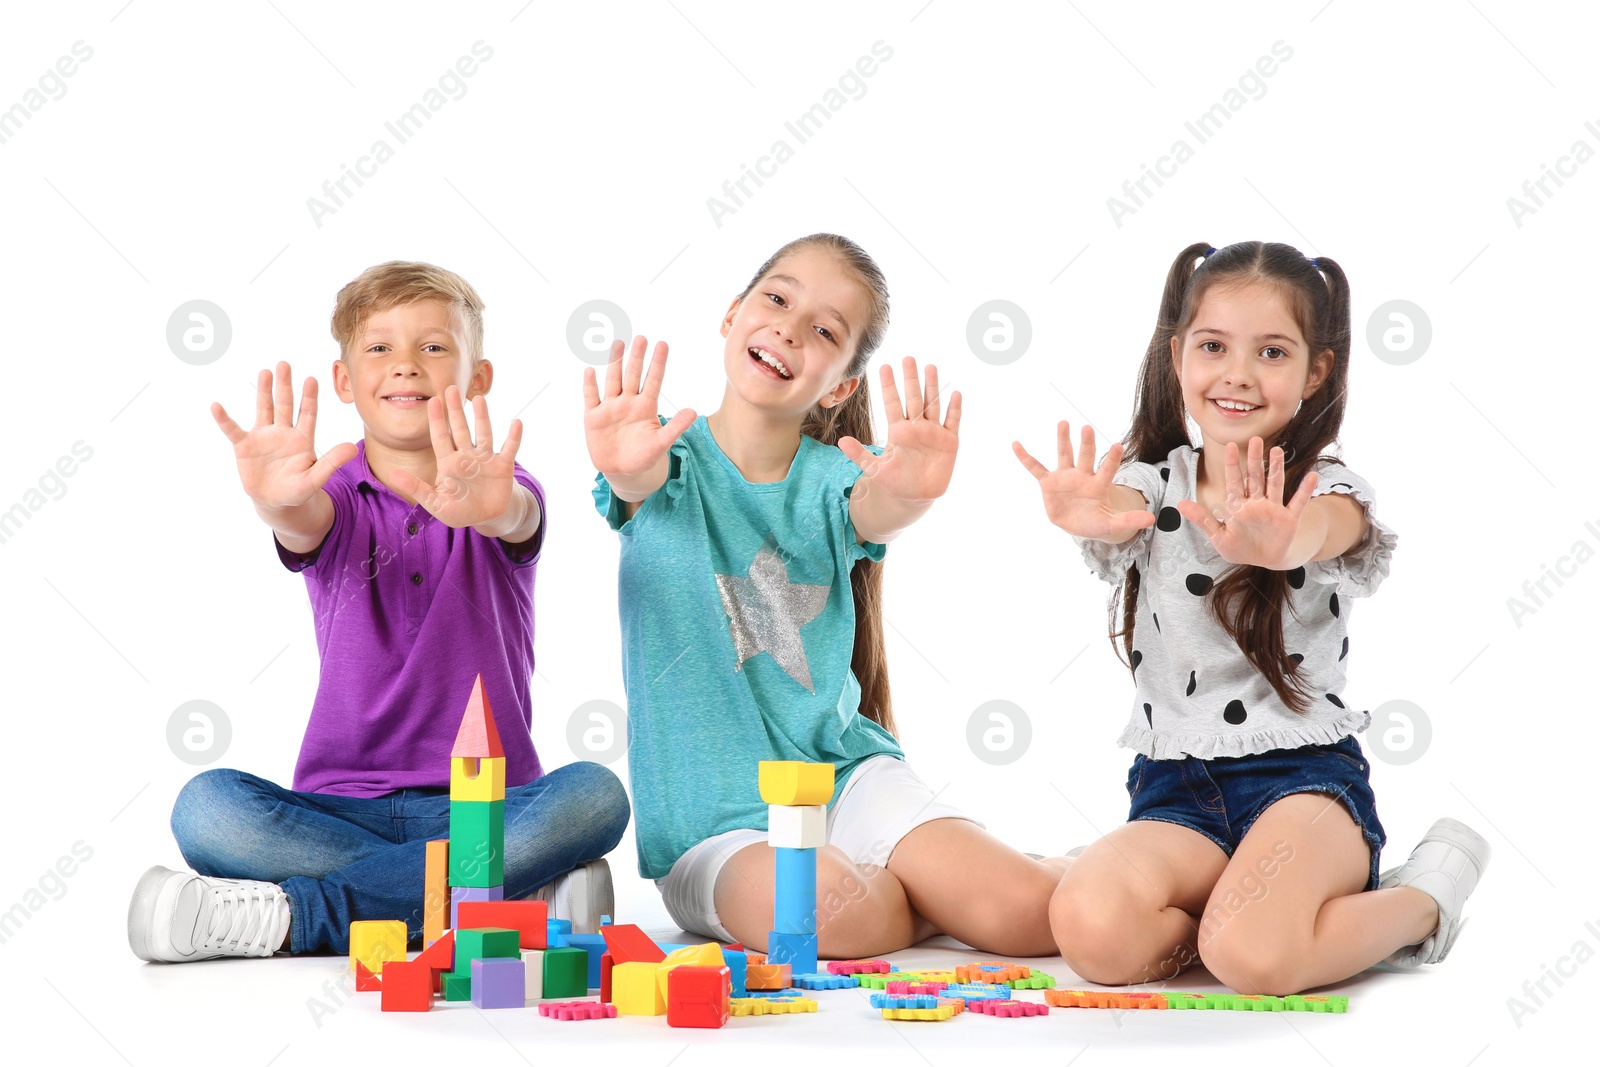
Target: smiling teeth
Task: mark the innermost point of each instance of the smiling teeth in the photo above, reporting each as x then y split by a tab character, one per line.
1234	405
772	361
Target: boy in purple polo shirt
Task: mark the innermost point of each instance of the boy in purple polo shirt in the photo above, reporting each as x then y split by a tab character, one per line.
418	546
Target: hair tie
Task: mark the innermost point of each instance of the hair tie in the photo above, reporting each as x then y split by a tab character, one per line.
1314	264
1207	253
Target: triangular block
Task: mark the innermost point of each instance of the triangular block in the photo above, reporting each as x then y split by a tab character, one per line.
477	736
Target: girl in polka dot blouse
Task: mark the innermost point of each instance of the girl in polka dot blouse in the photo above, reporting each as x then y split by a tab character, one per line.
1252	840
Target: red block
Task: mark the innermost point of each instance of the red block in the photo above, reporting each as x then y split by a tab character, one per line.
477	736
441	955
606	963
698	996
629	944
366	981
528	917
407	986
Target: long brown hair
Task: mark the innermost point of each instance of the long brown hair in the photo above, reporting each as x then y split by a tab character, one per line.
1247	602
853	418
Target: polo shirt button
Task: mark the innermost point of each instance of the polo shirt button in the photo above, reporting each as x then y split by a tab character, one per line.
416	579
411	528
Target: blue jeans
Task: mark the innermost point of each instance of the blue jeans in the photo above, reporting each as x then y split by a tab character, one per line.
345	858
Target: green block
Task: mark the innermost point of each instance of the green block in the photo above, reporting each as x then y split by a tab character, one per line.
566	972
477	843
457	986
485	943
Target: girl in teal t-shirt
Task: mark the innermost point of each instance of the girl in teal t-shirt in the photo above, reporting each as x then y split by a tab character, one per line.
749	593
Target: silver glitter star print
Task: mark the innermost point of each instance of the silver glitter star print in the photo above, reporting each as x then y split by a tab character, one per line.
765	612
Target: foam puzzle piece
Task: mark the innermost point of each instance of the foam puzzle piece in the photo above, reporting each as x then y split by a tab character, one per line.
904	988
891	1000
477	778
407	986
566	973
802	826
529	918
793	782
574	1010
976	991
498	983
1009	1009
824	981
460	894
991	973
698	996
939	1014
859	967
375	942
744	1006
477	735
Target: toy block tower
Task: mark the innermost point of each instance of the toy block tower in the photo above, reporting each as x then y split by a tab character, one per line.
797	796
477	806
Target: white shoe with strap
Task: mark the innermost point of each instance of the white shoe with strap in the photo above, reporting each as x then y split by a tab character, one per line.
1446	865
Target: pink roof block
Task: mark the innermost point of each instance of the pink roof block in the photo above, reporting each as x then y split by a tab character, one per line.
477	738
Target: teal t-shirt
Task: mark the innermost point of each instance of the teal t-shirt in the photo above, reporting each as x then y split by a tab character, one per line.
737	629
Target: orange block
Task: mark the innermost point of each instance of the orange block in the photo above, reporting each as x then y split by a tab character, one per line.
435	890
768	975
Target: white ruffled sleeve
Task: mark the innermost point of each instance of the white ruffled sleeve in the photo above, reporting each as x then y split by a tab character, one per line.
1110	562
1361	570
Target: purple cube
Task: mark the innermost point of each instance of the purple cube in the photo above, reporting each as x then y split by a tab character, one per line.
499	983
458	893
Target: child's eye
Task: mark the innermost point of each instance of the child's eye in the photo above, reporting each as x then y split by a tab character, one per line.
434	348
1213	347
776	298
379	348
1274	353
825	332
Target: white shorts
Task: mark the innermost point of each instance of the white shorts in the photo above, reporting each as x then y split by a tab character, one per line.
882	801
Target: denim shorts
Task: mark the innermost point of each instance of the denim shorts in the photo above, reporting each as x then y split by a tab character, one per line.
1222	798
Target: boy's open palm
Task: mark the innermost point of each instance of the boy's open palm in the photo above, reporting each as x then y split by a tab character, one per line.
920	455
1257	527
1077	497
620	424
472	482
278	464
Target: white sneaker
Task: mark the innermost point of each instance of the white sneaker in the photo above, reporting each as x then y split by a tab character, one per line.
580	896
1446	865
179	916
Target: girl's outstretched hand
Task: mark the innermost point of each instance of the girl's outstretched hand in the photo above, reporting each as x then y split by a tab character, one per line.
921	452
1256	527
473	483
278	465
625	437
1077	497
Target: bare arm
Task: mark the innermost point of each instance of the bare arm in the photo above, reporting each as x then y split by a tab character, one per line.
897	488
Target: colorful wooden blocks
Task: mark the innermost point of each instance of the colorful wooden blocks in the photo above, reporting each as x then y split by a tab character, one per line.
435	890
498	983
462	894
798	952
477	778
635	991
407	986
376	942
477	842
533	973
629	944
566	972
486	943
792	782
530	918
768	976
799	826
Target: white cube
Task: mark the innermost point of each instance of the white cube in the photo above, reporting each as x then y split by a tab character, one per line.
805	826
533	964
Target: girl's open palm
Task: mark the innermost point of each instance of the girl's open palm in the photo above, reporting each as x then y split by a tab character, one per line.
472	482
1077	497
621	426
1257	527
278	464
920	454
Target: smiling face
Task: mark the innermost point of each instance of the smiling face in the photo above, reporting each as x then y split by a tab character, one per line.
1244	365
791	339
397	359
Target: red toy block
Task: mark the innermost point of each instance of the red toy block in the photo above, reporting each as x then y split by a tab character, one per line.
606	963
629	944
529	918
734	946
407	986
441	955
366	981
478	738
698	996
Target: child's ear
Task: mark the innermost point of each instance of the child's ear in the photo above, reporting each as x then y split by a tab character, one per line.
341	381
482	378
727	320
1177	358
840	393
1321	365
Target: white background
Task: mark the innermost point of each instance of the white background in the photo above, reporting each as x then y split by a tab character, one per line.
977	164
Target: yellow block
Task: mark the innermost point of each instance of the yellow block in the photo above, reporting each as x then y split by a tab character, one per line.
435	890
706	955
374	940
472	778
790	782
635	991
742	1006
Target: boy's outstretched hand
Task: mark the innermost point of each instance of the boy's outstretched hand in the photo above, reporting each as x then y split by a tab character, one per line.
278	465
1082	500
473	483
626	440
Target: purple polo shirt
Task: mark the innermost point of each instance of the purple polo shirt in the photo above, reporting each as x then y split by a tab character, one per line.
407	611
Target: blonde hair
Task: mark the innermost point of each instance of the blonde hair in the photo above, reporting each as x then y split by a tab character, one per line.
398	282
